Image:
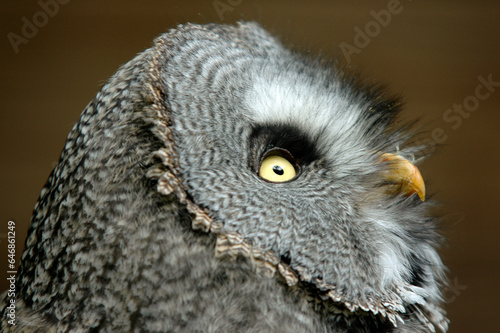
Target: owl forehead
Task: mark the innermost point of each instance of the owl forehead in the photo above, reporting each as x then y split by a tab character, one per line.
226	84
288	97
325	114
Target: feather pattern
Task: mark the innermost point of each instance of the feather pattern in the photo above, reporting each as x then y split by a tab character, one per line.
156	219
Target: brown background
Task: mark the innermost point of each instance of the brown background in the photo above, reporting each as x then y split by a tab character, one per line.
431	52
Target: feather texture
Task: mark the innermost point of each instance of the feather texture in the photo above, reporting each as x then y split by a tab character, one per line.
155	218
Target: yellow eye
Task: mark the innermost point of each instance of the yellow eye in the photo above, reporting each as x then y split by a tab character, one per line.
275	168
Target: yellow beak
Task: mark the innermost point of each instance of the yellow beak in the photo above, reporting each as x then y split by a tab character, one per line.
404	175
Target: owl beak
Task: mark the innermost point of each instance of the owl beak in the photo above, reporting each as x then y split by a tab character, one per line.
405	176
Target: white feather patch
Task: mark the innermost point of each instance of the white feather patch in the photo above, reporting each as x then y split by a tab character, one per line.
288	98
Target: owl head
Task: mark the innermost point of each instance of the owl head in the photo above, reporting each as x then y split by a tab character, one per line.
282	160
300	168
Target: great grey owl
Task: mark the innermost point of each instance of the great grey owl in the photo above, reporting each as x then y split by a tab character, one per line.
220	182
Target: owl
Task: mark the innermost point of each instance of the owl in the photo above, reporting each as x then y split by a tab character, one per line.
220	182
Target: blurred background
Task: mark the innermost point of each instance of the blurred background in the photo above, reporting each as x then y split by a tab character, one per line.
438	55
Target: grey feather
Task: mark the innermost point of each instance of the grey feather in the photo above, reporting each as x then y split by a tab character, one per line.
156	219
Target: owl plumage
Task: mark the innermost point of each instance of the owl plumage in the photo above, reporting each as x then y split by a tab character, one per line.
158	217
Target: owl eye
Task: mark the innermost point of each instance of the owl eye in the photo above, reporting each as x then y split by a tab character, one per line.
278	166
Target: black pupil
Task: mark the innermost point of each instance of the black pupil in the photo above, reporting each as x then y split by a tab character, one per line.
278	170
